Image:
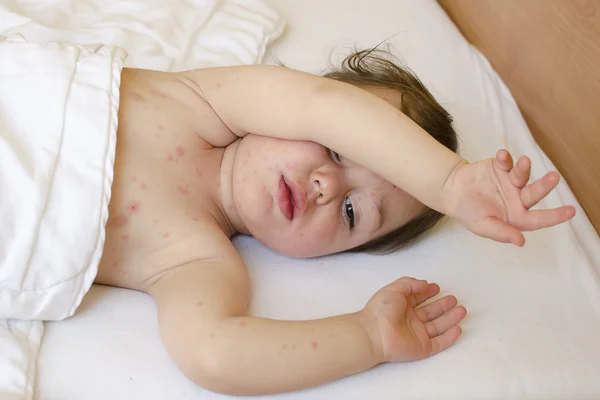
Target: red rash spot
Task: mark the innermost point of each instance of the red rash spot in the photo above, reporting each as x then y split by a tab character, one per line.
386	302
134	206
314	345
169	158
198	304
183	190
143	186
133	178
160	127
179	151
218	84
165	235
195	219
114	264
119	221
242	323
125	237
284	346
199	173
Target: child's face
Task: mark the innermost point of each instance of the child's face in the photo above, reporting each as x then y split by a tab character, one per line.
299	199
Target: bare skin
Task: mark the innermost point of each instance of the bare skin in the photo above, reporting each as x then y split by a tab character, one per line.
184	185
166	180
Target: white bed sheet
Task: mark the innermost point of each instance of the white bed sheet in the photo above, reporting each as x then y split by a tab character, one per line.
534	313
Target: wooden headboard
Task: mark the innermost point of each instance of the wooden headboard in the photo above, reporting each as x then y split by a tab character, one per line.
548	54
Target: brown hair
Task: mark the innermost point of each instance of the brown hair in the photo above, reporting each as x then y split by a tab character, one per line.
373	68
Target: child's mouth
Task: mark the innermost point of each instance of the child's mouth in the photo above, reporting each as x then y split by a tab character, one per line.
285	199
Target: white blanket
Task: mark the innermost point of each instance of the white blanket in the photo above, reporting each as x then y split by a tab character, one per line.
166	35
58	127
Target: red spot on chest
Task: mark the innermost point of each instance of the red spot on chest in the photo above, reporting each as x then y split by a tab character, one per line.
242	323
143	186
134	206
314	345
165	235
179	151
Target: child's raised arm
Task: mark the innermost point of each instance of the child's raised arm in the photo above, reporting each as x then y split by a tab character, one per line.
288	104
492	198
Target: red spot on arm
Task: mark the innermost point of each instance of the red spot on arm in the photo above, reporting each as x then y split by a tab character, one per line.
198	304
165	235
143	186
179	151
242	323
169	158
125	237
160	126
183	190
314	345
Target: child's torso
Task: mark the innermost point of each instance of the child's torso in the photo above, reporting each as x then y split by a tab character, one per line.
166	181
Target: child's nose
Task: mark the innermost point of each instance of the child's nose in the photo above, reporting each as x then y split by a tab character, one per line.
326	186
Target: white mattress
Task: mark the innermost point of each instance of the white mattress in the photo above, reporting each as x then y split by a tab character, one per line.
534	313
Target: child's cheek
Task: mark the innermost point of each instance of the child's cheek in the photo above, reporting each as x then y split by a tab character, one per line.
317	239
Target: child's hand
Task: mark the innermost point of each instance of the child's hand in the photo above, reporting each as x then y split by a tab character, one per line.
492	198
401	332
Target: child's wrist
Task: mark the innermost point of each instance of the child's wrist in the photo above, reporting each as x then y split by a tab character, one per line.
368	323
448	192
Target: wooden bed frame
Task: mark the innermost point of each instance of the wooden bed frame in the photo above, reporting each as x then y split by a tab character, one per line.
548	54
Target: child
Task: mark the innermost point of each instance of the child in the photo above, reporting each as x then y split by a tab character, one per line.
361	160
309	166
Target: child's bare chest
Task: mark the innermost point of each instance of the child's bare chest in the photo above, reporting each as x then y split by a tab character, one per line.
164	195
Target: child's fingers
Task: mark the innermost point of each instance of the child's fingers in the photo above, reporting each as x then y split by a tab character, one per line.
446	321
504	160
409	286
539	219
519	175
500	231
433	310
430	291
445	340
533	193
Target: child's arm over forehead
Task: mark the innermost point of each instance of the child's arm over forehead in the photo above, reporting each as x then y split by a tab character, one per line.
288	104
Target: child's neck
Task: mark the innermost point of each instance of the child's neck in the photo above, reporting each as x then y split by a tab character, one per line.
225	196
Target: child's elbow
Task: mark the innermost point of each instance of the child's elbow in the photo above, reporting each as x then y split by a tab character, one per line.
215	370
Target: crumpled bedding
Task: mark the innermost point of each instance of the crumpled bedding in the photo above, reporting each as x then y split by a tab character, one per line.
58	131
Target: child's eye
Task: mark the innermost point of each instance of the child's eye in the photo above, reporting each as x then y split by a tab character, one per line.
335	156
349	212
